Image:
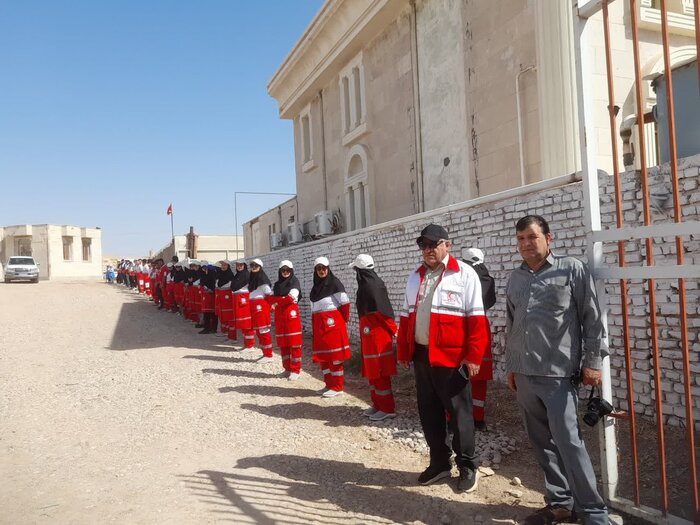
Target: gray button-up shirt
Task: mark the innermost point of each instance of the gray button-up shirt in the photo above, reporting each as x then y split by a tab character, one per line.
553	319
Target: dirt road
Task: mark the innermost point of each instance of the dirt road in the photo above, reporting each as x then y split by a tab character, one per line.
114	412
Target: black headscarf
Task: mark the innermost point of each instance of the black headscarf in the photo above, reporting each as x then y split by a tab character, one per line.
224	276
240	279
284	286
178	275
208	278
372	295
325	287
257	279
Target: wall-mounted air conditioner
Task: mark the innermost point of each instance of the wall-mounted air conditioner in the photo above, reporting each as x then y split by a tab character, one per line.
276	240
324	223
294	235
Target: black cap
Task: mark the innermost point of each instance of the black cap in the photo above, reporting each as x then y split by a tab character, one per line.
434	232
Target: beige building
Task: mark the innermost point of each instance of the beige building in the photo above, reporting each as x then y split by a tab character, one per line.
404	106
62	252
209	248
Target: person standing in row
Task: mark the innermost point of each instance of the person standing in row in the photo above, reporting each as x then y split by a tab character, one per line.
443	330
241	302
223	304
474	257
554	340
330	311
288	333
207	284
260	288
377	331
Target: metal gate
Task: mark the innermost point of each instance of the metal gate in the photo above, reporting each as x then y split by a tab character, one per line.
622	255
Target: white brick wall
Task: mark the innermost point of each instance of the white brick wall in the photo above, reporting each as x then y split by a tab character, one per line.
490	226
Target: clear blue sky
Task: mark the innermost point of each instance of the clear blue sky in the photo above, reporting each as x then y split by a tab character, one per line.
111	110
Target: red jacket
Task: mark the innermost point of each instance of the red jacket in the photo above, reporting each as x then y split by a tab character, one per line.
330	334
287	321
241	310
459	329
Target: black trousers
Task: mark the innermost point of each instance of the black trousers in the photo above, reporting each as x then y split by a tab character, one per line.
440	389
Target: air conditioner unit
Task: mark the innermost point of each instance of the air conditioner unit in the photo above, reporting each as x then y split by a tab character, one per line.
294	235
324	223
276	241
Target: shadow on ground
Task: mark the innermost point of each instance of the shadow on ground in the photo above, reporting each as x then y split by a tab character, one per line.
328	491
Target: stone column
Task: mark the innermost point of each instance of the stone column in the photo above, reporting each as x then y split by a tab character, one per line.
556	85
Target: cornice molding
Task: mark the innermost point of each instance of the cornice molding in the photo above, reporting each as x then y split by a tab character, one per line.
335	35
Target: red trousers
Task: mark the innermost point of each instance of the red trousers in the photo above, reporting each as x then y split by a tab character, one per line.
333	375
264	340
479	399
382	396
291	358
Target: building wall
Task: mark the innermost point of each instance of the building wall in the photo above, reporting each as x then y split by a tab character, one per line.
276	219
47	249
210	248
488	223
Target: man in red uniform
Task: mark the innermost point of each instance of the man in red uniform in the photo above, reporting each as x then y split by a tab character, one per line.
444	332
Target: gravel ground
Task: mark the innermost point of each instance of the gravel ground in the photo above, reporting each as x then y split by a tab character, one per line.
114	412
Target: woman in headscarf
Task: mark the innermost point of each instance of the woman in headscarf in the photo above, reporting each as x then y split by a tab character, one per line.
377	331
240	301
284	299
223	305
179	277
330	311
260	288
207	283
169	299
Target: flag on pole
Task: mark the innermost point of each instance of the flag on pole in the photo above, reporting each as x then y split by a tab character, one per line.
170	209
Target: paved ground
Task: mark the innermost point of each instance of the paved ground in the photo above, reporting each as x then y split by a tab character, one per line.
114	412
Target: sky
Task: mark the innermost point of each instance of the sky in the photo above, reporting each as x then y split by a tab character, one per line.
112	110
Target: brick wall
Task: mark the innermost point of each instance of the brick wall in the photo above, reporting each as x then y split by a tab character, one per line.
488	223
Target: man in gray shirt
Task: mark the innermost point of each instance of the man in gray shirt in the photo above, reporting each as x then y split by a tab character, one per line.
553	339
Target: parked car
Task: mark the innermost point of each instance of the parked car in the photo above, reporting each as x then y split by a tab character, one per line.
21	269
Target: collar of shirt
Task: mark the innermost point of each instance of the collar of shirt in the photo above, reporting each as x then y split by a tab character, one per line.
440	267
549	261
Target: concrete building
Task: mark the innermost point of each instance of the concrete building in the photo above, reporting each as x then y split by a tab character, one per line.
403	106
62	252
209	248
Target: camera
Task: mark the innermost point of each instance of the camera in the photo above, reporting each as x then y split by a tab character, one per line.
596	409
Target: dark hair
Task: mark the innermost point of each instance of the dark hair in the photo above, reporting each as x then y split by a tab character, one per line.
175	259
532	219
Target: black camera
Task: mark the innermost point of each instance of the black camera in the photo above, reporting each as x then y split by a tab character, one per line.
596	409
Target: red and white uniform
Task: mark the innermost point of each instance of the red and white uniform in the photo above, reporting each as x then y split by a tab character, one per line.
459	329
241	313
378	358
223	306
331	344
288	331
260	320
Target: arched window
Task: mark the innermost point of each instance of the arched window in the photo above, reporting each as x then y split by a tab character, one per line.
356	188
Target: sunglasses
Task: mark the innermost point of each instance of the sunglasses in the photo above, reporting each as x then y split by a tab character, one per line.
253	265
429	245
285	270
321	268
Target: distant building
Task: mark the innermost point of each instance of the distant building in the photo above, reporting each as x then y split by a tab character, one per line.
209	248
62	252
404	106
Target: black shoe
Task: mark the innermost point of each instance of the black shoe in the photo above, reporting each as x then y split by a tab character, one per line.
160	307
199	325
480	426
551	514
434	473
467	481
205	331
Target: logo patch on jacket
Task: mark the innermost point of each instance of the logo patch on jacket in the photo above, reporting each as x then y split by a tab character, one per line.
242	300
293	314
366	330
258	307
330	321
225	296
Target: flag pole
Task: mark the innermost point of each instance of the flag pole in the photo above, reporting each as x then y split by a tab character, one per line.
172	228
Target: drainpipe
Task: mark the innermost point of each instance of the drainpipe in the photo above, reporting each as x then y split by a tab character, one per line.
323	156
416	108
520	123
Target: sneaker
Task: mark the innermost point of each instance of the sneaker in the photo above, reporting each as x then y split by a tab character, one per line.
264	360
480	426
433	473
551	514
322	391
293	376
370	412
467	481
332	393
381	416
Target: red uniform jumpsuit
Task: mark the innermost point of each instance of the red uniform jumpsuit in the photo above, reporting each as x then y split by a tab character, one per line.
260	320
331	344
288	331
224	306
378	358
241	316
